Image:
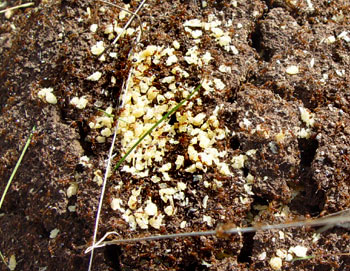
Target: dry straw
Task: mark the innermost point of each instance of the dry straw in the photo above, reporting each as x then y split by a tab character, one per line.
108	167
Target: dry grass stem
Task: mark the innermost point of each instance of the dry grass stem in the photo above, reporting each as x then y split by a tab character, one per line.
134	14
17	7
108	167
110	155
130	20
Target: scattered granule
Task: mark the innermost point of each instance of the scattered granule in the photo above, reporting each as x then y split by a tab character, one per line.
193	23
171	60
208	220
93	28
94	77
12	263
180	159
98	48
116	205
224	41
101	139
330	39
205	201
72	190
141	219
176	44
299	251
238	161
132	202
79	103
306	116
206	58
169	210
46	93
281	253
291	70
109	29
106	132
151	209
275	263
54	233
156	221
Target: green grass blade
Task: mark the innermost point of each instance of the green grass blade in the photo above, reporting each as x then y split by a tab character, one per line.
303	258
11	178
3	259
155	125
107	114
17	165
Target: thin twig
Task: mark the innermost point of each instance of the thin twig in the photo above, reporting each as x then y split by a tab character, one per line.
129	22
310	222
97	244
17	7
134	14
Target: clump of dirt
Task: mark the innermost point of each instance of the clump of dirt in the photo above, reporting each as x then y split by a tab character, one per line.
264	141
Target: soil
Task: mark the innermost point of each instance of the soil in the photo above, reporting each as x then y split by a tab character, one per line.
295	166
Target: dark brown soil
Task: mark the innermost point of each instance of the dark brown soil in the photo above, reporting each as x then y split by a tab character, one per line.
293	168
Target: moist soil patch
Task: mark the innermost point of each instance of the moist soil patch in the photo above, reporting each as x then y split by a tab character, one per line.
266	139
